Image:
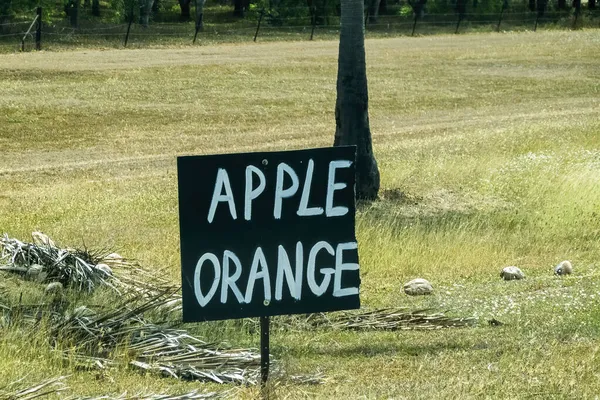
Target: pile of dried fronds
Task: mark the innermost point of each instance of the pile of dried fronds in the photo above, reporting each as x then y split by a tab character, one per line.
43	261
151	347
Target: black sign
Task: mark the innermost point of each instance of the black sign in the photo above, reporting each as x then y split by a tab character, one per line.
268	233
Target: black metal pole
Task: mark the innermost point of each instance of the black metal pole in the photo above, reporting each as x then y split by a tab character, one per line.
38	30
264	349
129	27
536	22
260	17
458	24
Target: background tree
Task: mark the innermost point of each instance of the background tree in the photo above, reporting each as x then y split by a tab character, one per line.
200	14
185	6
351	107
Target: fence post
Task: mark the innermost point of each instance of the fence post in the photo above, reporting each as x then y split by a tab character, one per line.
414	24
197	29
38	30
128	27
314	21
260	17
504	6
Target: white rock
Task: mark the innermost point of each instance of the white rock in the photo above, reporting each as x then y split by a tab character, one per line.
511	273
54	288
564	268
417	287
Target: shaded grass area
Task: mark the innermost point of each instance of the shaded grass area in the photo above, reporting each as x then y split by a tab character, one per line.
488	146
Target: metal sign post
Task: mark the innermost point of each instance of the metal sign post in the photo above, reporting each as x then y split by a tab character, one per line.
264	349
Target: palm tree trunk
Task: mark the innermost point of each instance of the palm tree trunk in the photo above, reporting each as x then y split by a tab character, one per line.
352	104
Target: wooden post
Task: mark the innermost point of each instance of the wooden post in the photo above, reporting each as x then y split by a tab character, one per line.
504	5
264	350
415	24
314	21
458	24
128	27
197	28
260	17
38	29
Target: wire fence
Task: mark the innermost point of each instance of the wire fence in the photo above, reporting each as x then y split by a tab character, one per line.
297	23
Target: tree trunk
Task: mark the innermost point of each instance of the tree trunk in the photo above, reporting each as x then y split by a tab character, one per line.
541	7
185	6
4	11
373	11
145	9
562	4
74	13
352	104
383	9
240	7
200	15
591	4
96	8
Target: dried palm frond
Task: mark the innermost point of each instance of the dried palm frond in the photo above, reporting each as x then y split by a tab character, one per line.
164	350
45	388
389	319
398	318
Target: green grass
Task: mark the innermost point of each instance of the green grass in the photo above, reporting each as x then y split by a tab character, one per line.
488	146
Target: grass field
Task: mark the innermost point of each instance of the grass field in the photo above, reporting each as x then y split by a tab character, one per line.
489	149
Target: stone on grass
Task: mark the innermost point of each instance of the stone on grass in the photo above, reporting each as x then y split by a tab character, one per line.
418	287
564	268
511	273
54	288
